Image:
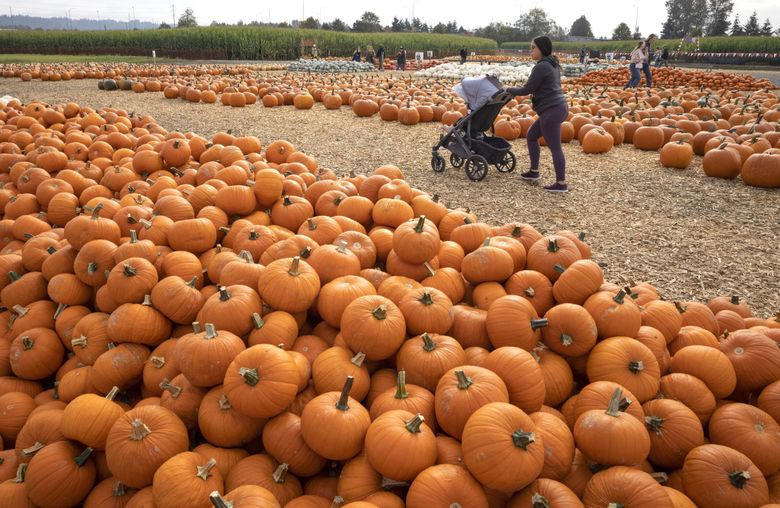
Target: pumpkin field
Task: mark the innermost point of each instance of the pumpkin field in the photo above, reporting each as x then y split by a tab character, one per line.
246	286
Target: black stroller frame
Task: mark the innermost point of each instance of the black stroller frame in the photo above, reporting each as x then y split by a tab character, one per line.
467	143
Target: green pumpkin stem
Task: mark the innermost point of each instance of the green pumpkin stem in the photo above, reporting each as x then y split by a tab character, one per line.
614	403
426	298
219	501
413	425
192	282
281	473
204	471
294	266
464	382
552	245
257	321
27	343
654	424
636	366
21	471
420	224
311	223
400	384
29	452
343	403
174	390
539	501
428	344
735	299
253	235
388	484
223	294
620	296
523	439
251	376
538	323
82	457
13	276
380	312
559	268
739	479
129	270
517	231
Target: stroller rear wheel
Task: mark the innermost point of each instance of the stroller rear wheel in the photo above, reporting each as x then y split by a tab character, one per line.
476	167
437	163
456	161
507	163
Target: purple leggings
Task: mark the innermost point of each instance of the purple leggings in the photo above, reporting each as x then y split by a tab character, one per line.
549	125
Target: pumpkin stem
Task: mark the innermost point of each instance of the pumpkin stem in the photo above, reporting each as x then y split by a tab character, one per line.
428	344
636	366
538	323
400	383
92	267
96	211
654	424
294	266
27	343
13	276
435	198
426	298
287	201
559	268
129	270
388	484
343	403
253	235
739	479
21	311
306	252
529	292
522	439
251	377
81	458
113	393
281	473
581	236
680	307
380	312
175	390
219	501
620	296
29	452
20	472
257	321
224	403
413	425
420	224
223	294
429	269
211	331
516	231
735	299
195	327
147	300
566	339
342	247
358	359
660	477
614	403
337	502
539	501
552	245
191	283
204	470
51	250
464	382
615	505
311	223
158	362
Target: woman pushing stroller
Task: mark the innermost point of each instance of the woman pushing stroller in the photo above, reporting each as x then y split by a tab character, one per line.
547	99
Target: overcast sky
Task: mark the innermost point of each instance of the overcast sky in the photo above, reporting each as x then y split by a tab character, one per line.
603	16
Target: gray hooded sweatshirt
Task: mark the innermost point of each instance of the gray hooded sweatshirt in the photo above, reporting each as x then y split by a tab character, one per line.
544	85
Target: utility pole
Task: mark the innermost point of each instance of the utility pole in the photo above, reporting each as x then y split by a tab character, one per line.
134	24
173	11
636	20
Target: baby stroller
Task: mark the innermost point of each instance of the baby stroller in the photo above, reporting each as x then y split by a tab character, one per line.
466	139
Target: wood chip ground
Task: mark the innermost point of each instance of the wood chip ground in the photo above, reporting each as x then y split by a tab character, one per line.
692	236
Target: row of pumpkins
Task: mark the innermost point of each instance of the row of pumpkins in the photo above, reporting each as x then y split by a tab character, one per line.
68	71
676	76
195	323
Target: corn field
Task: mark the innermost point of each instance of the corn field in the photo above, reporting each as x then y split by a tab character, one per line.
231	43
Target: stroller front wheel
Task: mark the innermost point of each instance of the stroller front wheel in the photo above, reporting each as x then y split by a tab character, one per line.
437	163
476	168
507	163
456	161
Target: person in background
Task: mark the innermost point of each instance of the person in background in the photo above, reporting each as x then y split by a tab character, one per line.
635	64
463	55
647	51
547	99
380	55
401	59
657	57
370	54
356	55
582	54
665	57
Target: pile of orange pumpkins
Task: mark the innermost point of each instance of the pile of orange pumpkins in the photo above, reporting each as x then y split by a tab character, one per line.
193	322
676	76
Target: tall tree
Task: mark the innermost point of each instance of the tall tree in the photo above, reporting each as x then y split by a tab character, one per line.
310	22
700	19
736	28
368	22
621	32
537	23
719	14
581	27
767	29
187	19
751	27
681	18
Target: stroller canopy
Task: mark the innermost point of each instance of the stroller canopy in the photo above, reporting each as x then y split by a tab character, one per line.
477	91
